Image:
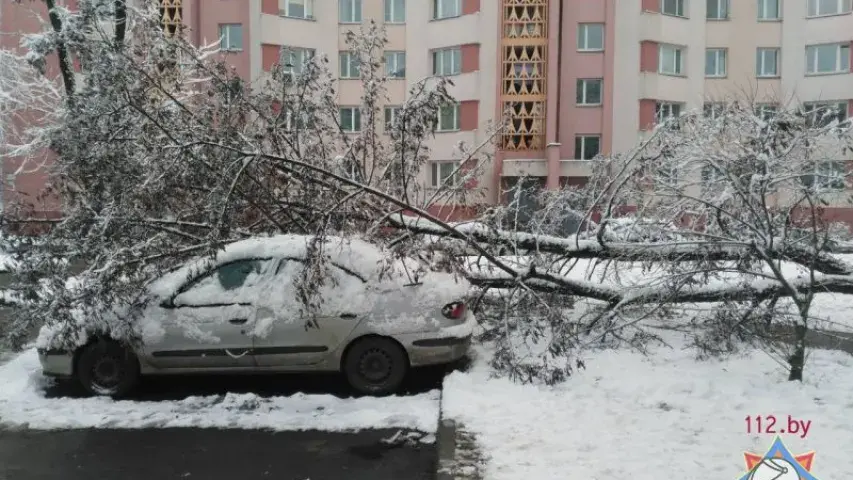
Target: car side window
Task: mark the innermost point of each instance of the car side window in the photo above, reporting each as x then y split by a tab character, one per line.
232	282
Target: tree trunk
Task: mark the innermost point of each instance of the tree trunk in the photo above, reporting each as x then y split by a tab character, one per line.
66	68
798	359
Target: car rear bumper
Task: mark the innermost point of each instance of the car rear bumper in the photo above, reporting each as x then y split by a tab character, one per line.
443	346
56	363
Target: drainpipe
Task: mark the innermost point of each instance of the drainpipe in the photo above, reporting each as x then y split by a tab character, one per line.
552	111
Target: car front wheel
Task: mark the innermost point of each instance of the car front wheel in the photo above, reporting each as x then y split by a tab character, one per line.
107	368
375	366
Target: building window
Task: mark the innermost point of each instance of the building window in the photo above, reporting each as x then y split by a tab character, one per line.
350	119
766	111
589	91
395	11
827	176
818	8
713	109
448	118
298	9
447	61
443	174
769	10
717	10
666	110
391	116
828	58
767	62
349	11
822	114
587	147
715	62
350	65
673	7
293	59
395	64
231	37
591	37
446	9
671	61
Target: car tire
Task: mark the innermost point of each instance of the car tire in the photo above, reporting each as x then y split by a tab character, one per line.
107	368
375	366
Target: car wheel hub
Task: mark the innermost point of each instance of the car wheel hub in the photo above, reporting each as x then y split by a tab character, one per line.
107	372
375	365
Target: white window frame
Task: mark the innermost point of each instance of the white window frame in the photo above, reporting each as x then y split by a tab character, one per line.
583	144
664	110
391	113
763	8
356	8
679	10
455	122
713	109
440	171
307	10
355	120
352	64
438	61
722	9
761	62
583	37
721	58
678	56
842	58
582	95
303	56
817	8
813	107
766	110
442	9
393	67
394	9
824	179
225	37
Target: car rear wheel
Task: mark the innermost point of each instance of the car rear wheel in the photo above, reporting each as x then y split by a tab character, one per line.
375	366
107	368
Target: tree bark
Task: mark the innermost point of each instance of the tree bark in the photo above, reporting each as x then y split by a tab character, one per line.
798	359
121	22
66	67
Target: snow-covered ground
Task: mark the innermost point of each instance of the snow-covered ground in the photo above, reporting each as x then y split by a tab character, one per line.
662	416
23	404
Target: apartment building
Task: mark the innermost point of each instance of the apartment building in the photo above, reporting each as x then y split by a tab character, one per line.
571	78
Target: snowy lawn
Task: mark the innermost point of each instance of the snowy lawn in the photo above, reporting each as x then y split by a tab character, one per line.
23	404
663	416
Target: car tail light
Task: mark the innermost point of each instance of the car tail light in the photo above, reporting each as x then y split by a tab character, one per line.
455	310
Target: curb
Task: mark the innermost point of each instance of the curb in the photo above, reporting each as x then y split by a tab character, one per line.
446	445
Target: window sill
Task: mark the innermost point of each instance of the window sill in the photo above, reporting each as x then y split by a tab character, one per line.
827	15
434	19
683	17
349	78
769	20
828	74
718	19
676	75
231	50
768	77
588	105
717	77
446	75
306	19
395	23
349	23
449	131
590	50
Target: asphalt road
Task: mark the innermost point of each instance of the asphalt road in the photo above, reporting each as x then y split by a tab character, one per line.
199	454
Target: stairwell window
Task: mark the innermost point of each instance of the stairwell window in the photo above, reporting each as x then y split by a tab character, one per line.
717	10
350	118
715	62
448	118
392	113
587	147
767	62
667	110
828	58
446	9
675	8
349	11
231	37
350	65
395	64
589	91
303	9
443	174
671	60
820	8
395	11
447	61
591	37
769	10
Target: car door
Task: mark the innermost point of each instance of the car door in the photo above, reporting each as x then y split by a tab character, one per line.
293	337
208	321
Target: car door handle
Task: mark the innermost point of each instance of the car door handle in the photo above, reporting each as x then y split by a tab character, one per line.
348	315
238	321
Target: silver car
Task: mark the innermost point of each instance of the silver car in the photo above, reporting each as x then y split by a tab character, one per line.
374	317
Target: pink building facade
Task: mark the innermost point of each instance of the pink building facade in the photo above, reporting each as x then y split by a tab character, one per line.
572	79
